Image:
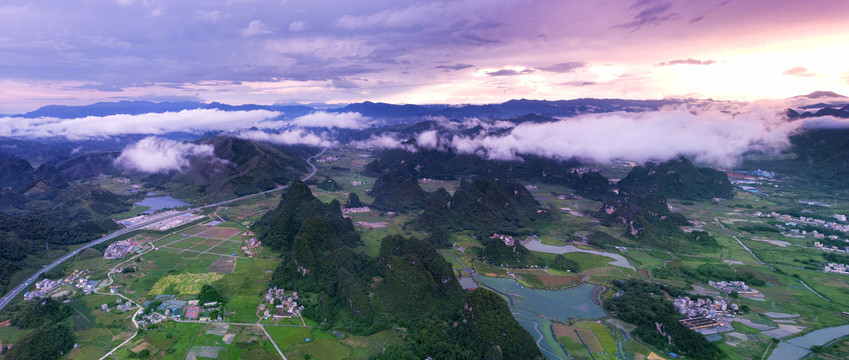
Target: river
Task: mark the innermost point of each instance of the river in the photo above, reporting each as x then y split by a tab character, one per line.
536	245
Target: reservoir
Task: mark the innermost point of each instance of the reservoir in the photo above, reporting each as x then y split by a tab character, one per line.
157	203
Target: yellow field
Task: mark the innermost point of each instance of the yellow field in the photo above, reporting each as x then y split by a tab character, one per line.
184	284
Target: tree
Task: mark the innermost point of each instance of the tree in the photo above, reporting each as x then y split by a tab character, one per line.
210	294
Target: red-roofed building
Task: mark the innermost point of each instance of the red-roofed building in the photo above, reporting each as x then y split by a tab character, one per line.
192	312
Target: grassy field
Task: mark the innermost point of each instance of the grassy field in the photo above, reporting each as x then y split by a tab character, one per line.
319	349
245	287
9	334
286	337
135	211
362	347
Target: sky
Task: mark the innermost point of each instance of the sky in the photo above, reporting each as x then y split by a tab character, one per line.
422	52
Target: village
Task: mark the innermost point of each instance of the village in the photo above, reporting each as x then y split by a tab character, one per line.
736	287
286	306
120	249
836	268
714	316
704	315
77	280
791	221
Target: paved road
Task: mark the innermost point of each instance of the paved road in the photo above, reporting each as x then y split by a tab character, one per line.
17	289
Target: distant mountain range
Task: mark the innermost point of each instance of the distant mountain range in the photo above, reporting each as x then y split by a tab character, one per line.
509	109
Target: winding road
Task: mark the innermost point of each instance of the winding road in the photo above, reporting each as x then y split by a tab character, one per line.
6	299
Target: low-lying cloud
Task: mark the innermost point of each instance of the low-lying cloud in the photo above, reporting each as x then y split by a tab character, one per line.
384	141
158	155
825	122
711	136
345	120
196	120
288	137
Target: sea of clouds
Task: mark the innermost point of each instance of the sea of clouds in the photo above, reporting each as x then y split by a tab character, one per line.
712	133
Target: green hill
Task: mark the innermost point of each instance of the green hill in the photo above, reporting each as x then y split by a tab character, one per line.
487	206
328	184
646	218
408	284
497	253
393	192
679	179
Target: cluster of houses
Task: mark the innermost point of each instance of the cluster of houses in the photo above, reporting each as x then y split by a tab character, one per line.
507	239
145	320
363	209
822	246
703	315
252	246
280	306
328	159
78	279
836	268
791	221
703	307
123	306
739	287
120	249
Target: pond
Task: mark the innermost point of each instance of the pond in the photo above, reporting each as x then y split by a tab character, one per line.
797	348
157	203
534	309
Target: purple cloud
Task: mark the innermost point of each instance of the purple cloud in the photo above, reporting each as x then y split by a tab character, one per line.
256	27
283	51
509	72
453	67
799	71
652	14
689	61
564	67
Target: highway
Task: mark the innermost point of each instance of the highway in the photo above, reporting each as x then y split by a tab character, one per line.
6	299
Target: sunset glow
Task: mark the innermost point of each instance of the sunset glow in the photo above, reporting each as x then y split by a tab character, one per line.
466	51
